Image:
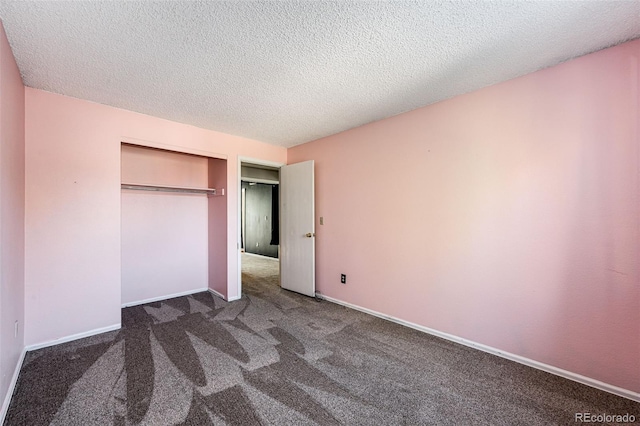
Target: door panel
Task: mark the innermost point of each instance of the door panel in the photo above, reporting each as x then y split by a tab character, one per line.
297	228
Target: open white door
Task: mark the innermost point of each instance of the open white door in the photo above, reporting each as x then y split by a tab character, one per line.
297	228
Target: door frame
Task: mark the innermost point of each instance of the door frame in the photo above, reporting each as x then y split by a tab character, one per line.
248	161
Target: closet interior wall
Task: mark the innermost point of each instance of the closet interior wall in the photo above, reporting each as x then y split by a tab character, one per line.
219	251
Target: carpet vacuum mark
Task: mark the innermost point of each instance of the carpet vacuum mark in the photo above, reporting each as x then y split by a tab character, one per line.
277	358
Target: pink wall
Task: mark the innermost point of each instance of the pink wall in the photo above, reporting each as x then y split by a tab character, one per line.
164	245
11	214
159	167
509	216
164	235
219	252
73	206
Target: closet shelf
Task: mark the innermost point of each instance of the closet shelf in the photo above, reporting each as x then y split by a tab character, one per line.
168	188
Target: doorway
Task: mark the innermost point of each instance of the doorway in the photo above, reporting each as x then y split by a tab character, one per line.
259	227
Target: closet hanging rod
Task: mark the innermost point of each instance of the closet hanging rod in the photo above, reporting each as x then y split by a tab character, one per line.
161	188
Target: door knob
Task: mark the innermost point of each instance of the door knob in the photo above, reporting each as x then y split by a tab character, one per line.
309	235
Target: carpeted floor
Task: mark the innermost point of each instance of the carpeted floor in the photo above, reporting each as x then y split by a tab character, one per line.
258	271
277	358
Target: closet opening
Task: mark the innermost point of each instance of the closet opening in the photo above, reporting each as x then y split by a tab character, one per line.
174	224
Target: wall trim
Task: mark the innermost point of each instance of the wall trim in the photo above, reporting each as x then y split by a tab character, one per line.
159	298
217	293
625	393
74	337
12	386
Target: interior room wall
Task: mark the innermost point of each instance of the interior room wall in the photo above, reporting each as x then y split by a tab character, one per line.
164	234
73	207
11	217
509	216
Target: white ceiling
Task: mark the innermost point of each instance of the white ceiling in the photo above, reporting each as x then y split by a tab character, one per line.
290	72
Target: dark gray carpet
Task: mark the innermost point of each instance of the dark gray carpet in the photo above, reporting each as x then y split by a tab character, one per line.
278	358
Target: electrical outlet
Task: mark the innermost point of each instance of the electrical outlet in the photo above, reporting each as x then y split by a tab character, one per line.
321	220
343	278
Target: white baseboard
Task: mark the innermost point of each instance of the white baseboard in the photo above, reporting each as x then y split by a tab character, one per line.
216	293
168	296
74	337
625	393
222	297
12	386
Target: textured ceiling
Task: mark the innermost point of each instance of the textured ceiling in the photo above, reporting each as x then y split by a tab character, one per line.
290	72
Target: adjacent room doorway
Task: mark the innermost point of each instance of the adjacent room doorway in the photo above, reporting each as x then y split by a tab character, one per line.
259	227
276	226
